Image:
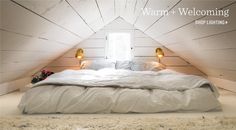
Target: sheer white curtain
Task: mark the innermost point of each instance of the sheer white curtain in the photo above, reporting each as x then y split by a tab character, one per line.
119	46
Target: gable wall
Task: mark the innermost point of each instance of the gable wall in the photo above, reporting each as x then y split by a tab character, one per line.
144	49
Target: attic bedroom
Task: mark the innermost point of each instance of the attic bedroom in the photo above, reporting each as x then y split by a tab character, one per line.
118	64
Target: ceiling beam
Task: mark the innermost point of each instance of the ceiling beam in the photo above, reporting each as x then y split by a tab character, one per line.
99	10
114	7
135	5
126	4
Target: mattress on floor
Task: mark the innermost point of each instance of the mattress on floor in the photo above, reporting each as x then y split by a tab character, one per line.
74	99
119	91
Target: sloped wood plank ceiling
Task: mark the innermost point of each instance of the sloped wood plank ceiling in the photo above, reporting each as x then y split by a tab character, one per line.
143	48
35	32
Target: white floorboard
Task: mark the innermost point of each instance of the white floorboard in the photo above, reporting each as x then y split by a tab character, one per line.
9	102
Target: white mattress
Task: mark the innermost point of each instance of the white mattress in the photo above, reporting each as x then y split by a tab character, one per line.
119	91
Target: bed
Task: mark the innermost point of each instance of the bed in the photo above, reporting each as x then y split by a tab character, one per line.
110	90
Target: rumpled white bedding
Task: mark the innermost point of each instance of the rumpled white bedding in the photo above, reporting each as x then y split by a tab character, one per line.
120	91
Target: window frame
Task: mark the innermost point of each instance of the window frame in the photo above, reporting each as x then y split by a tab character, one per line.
131	32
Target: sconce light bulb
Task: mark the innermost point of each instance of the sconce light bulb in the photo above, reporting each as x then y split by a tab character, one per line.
160	56
79	57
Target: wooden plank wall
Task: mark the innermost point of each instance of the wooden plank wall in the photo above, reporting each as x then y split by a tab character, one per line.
210	48
144	49
35	32
29	40
23	38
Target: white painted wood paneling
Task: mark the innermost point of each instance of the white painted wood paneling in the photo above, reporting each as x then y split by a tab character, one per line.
30	41
13	85
9	76
210	58
94	52
65	16
144	21
128	9
16	42
170	61
100	52
174	61
219	73
35	70
93	43
89	12
119	24
203	31
180	47
224	41
171	22
63	62
187	70
39	6
145	42
144	49
100	34
222	83
215	63
150	51
139	33
20	56
60	68
132	10
107	9
187	33
21	72
10	67
219	54
119	7
62	14
14	19
44	30
209	47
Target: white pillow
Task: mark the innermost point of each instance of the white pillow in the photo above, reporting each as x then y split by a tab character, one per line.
146	66
123	65
97	64
154	66
138	66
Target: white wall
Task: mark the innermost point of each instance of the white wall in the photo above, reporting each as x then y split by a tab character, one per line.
211	48
223	83
144	49
29	40
13	85
34	33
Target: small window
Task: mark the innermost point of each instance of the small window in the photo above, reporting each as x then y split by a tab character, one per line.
118	46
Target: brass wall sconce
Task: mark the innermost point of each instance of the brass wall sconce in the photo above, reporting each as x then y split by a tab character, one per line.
159	54
79	55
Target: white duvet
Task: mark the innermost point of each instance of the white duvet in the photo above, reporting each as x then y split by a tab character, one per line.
120	91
